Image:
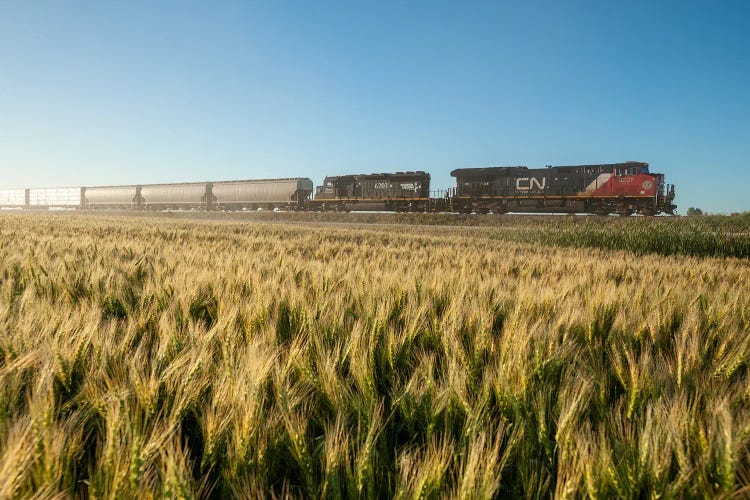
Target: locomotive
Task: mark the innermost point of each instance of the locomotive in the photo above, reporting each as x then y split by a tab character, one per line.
621	188
400	191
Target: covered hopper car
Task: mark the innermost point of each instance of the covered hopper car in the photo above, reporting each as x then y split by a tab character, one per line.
264	194
111	197
69	197
175	196
14	198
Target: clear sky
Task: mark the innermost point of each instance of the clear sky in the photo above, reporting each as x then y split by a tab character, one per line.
107	92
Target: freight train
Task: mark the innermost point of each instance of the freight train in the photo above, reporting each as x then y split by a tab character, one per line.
622	188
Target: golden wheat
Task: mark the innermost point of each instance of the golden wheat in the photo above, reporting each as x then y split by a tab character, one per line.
154	357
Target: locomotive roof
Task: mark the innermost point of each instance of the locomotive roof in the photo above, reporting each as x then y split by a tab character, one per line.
385	175
493	171
628	163
484	171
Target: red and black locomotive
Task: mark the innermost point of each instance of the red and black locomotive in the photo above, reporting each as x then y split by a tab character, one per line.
621	188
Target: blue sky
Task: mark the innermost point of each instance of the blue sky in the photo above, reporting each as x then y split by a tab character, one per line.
105	92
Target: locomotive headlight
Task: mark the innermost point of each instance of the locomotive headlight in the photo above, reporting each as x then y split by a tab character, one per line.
647	184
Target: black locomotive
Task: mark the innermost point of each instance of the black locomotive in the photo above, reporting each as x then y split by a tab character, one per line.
399	191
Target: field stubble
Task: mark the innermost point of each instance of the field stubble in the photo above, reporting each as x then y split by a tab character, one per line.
184	358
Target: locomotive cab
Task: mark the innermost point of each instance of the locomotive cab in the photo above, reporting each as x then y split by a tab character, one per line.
631	170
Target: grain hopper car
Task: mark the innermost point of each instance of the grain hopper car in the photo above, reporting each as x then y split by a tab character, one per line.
288	194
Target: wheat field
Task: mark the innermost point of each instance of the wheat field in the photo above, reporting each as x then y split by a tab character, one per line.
189	359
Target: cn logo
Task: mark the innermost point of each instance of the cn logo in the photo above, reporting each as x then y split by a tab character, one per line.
529	183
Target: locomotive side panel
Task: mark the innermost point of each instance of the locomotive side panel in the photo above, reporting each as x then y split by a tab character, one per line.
407	185
562	181
485	182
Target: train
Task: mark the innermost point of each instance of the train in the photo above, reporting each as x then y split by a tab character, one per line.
614	188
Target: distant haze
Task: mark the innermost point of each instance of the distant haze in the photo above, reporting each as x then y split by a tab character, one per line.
98	93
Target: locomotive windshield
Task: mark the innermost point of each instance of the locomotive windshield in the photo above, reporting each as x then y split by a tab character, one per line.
631	171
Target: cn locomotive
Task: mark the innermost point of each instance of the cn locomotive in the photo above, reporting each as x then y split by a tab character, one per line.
621	188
